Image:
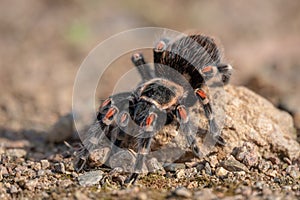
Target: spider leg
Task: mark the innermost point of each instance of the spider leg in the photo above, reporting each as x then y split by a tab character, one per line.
143	68
226	71
213	126
183	118
158	53
144	142
210	71
107	116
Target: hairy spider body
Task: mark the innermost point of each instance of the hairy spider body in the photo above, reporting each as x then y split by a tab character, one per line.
161	98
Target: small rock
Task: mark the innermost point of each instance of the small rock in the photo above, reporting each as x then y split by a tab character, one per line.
37	166
31	184
272	173
45	164
90	178
174	167
180	173
182	192
213	161
207	169
3	171
153	165
43	172
99	156
277	180
13	189
221	172
231	164
191	164
293	171
259	185
60	168
200	166
288	161
16	153
247	154
264	166
295	187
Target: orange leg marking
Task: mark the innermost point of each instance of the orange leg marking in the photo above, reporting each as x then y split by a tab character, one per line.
110	113
207	69
201	93
182	113
105	103
150	119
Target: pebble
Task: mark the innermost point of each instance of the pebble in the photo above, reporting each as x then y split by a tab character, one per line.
44	172
37	166
246	154
180	173
213	161
31	184
264	166
153	165
16	153
13	189
207	169
45	164
272	173
3	171
99	156
293	171
59	167
173	167
231	164
182	192
259	185
90	178
221	172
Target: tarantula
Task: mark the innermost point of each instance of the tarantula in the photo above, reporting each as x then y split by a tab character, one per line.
161	98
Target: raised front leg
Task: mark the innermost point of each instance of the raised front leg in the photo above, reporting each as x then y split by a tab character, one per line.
143	68
158	53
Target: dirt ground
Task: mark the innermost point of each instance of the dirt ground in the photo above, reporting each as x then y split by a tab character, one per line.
43	43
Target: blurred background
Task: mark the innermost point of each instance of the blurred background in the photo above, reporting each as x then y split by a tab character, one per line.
43	43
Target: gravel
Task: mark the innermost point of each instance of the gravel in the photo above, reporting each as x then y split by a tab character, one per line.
253	164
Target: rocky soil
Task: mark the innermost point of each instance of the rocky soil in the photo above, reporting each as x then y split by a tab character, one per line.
260	161
43	43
